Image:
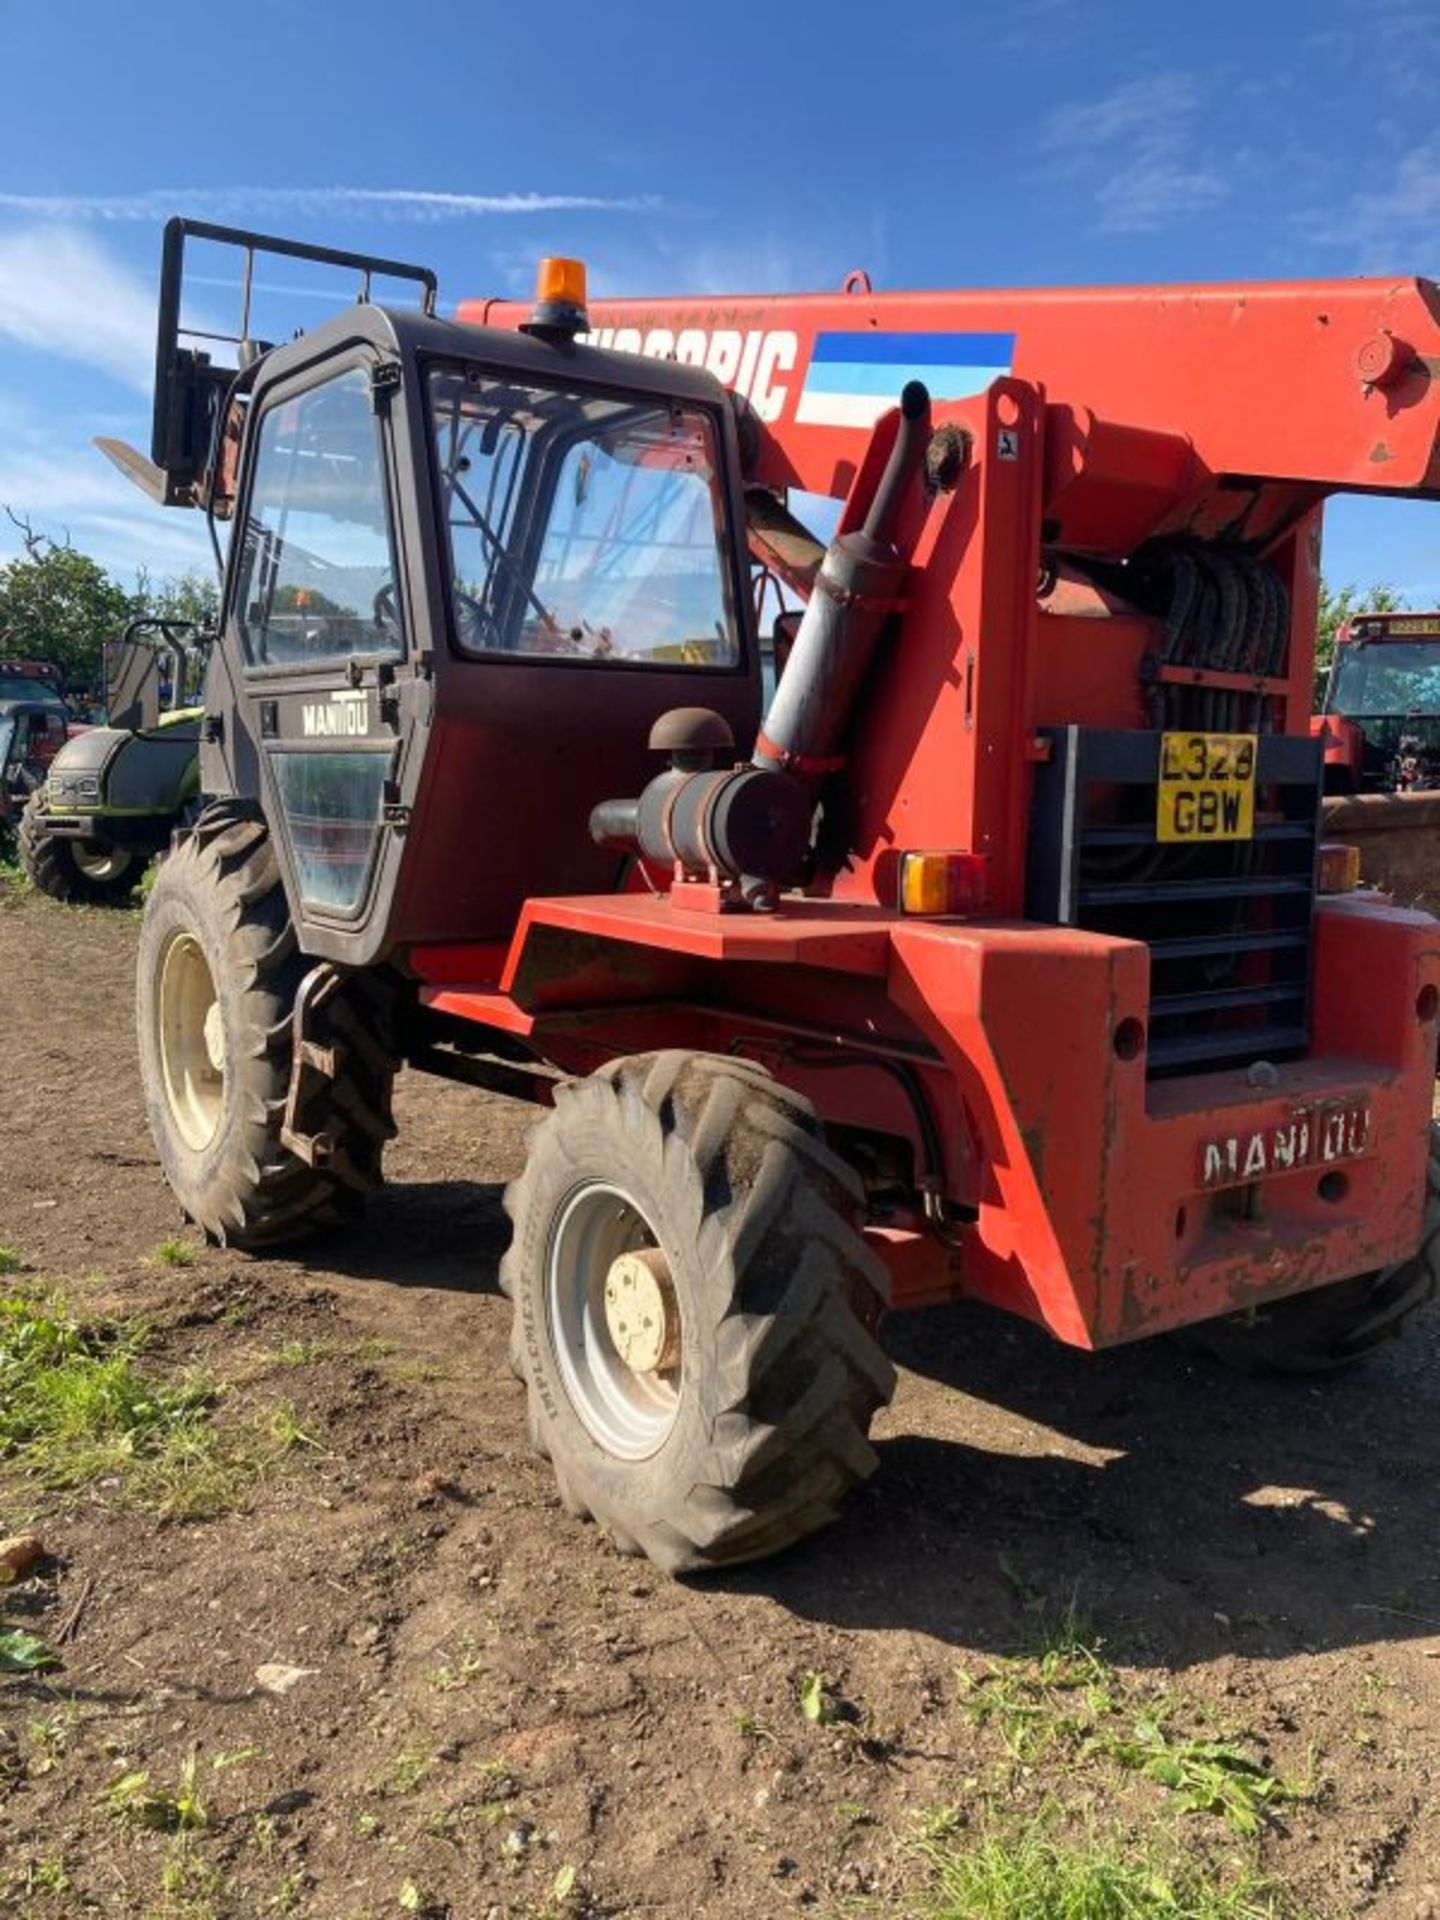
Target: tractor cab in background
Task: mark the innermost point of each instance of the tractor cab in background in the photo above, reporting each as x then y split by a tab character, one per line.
110	798
34	727
1381	717
1380	725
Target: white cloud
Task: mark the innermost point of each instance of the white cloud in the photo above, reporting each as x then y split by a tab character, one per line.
52	476
62	294
1379	227
383	203
1138	143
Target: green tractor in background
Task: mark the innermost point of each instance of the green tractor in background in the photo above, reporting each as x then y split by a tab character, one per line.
113	795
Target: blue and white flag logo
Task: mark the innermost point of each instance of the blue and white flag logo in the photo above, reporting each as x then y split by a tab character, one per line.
854	377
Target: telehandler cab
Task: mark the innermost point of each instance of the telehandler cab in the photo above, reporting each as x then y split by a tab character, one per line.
994	959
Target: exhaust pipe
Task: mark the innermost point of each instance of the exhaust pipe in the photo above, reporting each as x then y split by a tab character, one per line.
750	825
855	593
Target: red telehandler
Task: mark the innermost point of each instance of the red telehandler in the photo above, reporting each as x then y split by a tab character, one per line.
995	954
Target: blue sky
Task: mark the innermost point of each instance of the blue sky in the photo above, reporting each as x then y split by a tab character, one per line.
743	147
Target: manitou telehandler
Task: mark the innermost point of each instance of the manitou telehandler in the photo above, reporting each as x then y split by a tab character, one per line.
997	958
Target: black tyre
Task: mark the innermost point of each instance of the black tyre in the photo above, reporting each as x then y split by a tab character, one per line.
1333	1327
219	970
695	1310
70	869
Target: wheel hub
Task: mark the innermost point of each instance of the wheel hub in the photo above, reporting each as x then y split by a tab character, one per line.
640	1311
613	1319
100	863
215	1037
191	1036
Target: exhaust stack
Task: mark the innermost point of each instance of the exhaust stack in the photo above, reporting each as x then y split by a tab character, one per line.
855	592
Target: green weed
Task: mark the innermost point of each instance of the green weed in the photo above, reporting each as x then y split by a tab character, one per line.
814	1694
21	1652
1206	1776
405	1772
1056	1699
10	1260
47	1876
451	1676
138	1803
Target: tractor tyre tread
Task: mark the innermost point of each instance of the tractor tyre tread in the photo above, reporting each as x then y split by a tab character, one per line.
48	863
782	1410
248	1189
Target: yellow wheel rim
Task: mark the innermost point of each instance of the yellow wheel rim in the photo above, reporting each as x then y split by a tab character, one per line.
192	1042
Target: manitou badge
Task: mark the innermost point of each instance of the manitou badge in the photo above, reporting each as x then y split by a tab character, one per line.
1310	1137
344	715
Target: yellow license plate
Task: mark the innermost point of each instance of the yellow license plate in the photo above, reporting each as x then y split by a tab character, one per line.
1207	787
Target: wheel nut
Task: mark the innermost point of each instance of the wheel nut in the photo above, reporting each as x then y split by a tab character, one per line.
641	1313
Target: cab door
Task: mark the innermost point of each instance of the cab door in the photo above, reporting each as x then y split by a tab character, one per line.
329	695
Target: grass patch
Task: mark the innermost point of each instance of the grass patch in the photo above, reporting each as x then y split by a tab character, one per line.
1034	1873
1057	1698
175	1252
10	1260
76	1408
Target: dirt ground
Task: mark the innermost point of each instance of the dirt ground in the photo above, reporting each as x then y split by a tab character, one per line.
500	1716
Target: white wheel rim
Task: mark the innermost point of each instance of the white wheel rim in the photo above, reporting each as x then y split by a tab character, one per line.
628	1413
100	863
192	1041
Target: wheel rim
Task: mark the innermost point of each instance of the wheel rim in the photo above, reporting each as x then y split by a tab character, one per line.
192	1042
100	863
628	1411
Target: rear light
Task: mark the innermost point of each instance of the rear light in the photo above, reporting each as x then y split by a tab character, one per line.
1338	868
940	883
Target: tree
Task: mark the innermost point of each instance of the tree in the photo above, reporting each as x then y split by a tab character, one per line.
59	605
186	596
1336	607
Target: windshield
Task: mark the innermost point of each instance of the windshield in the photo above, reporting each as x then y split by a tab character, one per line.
21	686
583	526
1386	677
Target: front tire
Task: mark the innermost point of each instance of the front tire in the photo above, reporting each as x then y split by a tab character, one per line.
1334	1328
219	970
683	1209
70	870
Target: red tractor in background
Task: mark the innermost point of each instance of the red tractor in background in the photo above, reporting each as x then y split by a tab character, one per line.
34	724
992	956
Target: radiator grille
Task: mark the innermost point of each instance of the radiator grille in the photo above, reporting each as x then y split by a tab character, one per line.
1228	923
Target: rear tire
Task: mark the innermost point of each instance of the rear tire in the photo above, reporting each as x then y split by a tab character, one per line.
750	1433
218	972
1334	1327
50	863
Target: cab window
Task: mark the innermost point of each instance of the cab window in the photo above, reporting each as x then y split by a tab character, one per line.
583	526
316	575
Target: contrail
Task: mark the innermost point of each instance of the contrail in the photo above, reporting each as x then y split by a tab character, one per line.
415	204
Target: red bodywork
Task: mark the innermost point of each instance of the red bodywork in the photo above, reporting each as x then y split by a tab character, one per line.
1074	1189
